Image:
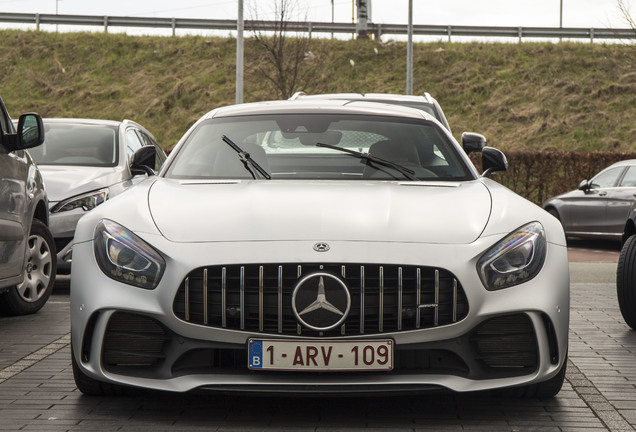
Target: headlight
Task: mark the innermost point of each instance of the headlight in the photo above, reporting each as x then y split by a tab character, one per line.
86	201
123	256
515	259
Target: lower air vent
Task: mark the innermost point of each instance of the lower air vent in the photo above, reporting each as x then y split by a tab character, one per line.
133	341
507	342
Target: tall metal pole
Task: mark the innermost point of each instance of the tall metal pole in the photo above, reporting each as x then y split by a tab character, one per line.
56	12
561	18
409	52
239	53
332	17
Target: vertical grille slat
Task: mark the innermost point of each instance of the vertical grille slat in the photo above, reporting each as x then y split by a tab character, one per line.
454	300
280	299
399	307
261	298
205	296
257	298
381	299
362	297
418	312
242	297
436	320
187	299
224	297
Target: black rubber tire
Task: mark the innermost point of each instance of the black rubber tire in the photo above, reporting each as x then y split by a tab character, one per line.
93	387
39	278
543	390
626	281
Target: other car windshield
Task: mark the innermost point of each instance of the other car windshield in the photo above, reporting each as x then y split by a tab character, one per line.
77	144
302	147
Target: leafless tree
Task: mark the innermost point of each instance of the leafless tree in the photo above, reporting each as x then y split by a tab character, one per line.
287	62
624	9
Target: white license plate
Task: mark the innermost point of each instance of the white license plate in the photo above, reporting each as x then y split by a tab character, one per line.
328	355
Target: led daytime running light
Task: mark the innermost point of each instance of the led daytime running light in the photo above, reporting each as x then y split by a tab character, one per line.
514	260
126	258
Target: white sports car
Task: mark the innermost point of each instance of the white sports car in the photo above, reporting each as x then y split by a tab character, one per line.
321	247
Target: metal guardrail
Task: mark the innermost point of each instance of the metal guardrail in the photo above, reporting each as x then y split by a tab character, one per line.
319	27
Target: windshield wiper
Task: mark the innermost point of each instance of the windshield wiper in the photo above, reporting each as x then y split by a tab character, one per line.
406	172
247	160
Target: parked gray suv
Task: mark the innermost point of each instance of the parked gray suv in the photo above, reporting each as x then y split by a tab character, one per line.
27	251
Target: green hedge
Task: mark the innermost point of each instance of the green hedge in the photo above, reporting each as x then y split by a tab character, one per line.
538	176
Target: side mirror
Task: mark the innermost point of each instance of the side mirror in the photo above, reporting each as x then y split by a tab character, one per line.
585	185
473	142
493	160
143	161
30	133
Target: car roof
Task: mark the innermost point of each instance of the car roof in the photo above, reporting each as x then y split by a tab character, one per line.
95	122
370	96
319	106
82	121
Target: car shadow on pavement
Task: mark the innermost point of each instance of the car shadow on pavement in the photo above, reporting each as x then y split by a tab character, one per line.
246	413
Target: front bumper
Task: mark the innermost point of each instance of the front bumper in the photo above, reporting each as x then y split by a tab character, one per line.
130	336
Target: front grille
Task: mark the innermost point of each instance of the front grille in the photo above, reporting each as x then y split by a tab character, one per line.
257	298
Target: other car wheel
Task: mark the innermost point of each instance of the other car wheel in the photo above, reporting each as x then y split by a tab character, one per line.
39	274
626	281
27	262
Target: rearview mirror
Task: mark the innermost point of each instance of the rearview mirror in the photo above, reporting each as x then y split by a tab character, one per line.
30	133
143	161
493	160
585	185
473	142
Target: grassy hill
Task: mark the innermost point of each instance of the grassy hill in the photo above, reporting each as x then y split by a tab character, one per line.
529	96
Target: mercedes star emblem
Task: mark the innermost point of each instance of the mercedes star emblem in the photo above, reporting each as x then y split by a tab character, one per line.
321	301
321	247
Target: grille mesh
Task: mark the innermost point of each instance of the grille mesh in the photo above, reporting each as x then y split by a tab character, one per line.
257	298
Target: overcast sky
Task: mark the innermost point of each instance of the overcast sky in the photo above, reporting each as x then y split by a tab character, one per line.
527	13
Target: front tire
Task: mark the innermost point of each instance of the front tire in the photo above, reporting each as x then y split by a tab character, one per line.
626	281
543	390
93	387
39	274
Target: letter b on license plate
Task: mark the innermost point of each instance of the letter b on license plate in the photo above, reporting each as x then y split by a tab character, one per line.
310	355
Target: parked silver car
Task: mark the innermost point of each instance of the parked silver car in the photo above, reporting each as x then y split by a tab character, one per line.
384	264
84	163
424	102
600	206
27	251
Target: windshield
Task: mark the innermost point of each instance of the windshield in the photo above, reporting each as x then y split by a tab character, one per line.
302	147
77	144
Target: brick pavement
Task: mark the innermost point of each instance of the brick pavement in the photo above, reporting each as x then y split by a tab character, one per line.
37	390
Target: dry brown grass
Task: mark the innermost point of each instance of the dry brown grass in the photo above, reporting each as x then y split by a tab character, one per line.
530	96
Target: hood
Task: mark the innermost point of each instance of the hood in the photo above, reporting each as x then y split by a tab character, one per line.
62	182
187	211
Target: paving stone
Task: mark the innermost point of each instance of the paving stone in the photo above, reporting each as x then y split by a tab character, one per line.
37	391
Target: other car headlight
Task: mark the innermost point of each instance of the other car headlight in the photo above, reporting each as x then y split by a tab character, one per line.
126	258
514	260
86	201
